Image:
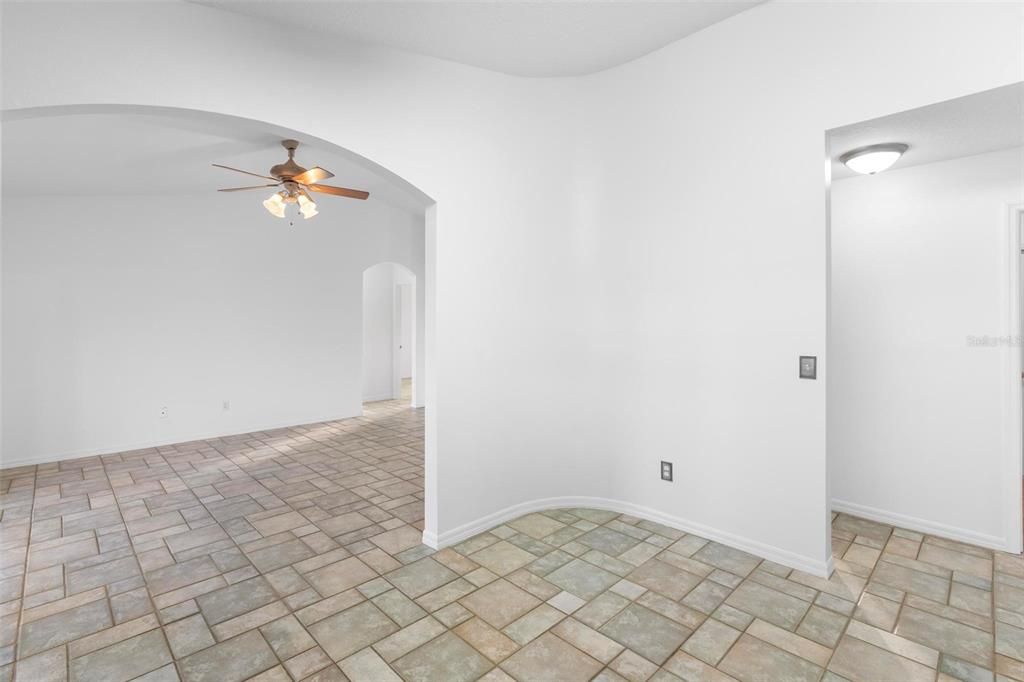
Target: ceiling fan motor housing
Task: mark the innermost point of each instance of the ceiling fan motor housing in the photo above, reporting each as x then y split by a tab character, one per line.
291	192
288	169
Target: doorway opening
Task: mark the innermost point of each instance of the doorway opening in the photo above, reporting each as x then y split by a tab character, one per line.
1015	389
924	419
389	333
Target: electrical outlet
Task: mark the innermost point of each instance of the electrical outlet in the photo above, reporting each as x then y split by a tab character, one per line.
666	471
163	412
227	405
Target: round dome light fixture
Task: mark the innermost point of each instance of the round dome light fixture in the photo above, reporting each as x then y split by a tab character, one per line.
874	158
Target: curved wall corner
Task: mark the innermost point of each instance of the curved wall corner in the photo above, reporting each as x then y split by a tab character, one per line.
621	268
461	136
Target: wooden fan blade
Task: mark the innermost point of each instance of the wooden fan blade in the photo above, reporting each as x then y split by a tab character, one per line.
313	175
242	189
239	170
339	191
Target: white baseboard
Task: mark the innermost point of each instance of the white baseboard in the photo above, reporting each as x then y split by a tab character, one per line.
921	525
818	567
236	430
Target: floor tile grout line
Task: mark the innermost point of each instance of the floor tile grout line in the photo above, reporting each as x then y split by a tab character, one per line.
853	613
254	469
163	541
24	578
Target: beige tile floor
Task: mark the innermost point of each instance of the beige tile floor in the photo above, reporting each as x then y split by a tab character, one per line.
295	555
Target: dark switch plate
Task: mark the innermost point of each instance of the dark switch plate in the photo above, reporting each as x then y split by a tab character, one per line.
666	471
808	367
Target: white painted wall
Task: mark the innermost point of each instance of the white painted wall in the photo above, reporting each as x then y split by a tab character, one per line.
700	180
915	425
117	306
406	329
382	330
654	236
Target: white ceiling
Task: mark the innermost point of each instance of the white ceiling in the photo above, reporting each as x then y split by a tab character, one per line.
520	37
979	123
129	153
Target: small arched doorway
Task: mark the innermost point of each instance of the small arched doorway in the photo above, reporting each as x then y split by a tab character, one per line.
389	333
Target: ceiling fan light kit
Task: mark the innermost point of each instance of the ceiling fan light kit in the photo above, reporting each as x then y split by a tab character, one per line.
306	206
275	205
295	182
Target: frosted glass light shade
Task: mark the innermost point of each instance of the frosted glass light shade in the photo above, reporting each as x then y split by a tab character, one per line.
873	159
306	207
275	205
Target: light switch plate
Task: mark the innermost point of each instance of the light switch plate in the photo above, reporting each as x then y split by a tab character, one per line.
666	471
808	367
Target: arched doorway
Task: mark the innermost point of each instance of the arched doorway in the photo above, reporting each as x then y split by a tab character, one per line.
390	339
247	137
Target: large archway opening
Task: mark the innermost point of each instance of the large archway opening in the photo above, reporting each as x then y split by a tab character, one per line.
228	306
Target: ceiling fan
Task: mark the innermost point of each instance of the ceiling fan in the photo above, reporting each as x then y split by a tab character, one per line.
296	183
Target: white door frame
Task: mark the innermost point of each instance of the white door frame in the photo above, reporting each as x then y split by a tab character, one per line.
1012	366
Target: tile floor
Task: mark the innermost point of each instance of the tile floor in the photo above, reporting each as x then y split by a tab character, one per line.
295	555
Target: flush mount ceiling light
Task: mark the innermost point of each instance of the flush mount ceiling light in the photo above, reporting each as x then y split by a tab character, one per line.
296	183
874	158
